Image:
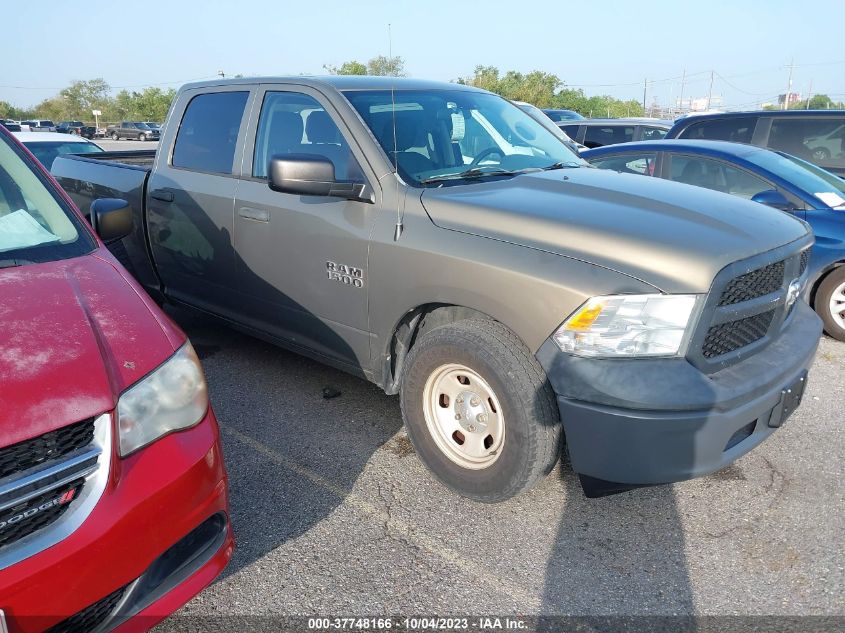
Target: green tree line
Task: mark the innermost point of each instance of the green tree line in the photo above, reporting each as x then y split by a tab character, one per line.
76	101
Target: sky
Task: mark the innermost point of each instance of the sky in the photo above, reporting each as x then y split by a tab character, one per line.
609	47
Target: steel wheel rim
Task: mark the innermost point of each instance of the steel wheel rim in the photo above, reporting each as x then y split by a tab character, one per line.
463	416
837	305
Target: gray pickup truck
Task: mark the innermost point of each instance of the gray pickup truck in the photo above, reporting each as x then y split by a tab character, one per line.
436	240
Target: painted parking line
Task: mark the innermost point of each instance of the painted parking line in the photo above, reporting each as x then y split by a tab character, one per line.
530	600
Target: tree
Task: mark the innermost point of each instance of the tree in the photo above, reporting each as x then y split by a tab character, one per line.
386	66
80	97
347	68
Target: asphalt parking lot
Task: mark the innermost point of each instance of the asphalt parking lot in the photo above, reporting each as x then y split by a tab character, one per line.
334	515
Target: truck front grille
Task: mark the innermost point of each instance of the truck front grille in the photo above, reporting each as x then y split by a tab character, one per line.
746	307
53	445
90	617
728	337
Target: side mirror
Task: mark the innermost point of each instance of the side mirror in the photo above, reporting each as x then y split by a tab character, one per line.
773	198
111	219
312	175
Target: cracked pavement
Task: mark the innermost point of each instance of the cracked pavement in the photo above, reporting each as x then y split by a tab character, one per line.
334	515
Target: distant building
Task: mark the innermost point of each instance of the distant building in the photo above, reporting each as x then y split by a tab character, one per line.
789	98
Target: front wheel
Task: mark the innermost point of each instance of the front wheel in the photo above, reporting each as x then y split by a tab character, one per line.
479	410
830	303
114	136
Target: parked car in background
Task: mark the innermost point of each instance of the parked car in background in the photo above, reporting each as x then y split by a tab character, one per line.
78	128
135	130
12	126
817	136
601	132
538	115
46	146
113	493
516	293
774	178
562	115
38	125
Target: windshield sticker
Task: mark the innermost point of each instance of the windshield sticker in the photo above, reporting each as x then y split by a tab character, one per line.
20	230
830	198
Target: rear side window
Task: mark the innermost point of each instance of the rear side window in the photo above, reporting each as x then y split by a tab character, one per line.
817	140
209	132
571	130
652	133
716	175
737	130
601	135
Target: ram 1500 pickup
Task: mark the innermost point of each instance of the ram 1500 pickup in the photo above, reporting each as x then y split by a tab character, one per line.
435	239
114	505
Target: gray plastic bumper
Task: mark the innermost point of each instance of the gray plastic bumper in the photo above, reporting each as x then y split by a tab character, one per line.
662	420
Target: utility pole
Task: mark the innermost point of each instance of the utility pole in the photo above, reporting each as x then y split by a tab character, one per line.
645	89
683	81
809	94
789	85
710	92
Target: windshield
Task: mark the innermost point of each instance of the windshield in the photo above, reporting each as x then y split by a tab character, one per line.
34	225
828	189
141	126
46	153
441	136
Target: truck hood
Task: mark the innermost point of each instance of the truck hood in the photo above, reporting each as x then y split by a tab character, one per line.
75	334
673	236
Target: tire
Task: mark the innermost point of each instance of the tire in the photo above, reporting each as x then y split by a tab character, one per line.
141	137
830	303
820	153
521	436
115	136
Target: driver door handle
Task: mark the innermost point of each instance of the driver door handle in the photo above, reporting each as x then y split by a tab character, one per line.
165	195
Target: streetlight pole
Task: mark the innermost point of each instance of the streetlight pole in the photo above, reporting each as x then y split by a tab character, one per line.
789	85
710	92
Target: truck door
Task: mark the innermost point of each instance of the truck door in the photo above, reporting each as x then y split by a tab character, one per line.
190	198
302	260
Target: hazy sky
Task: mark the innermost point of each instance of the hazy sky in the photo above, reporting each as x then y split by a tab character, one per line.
607	47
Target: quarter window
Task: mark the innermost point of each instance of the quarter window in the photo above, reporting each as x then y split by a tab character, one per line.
818	140
294	123
208	133
628	163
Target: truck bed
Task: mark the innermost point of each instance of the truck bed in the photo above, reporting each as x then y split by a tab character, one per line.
114	175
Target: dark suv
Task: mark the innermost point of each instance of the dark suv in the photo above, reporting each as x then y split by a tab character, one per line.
817	136
133	130
78	128
601	132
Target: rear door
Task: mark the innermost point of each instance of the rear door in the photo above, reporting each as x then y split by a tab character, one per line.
302	260
190	198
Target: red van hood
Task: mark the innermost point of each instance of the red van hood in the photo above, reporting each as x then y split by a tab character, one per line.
74	334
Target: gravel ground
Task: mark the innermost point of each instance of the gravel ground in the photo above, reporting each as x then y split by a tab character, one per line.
334	514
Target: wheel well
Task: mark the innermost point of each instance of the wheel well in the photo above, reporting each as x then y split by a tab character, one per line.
411	327
820	279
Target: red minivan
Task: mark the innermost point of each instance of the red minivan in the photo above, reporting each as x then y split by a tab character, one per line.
113	495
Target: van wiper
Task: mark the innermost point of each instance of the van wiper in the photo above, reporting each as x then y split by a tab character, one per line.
13	263
468	174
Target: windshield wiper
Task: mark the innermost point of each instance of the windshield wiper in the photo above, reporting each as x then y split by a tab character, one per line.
13	263
474	172
562	165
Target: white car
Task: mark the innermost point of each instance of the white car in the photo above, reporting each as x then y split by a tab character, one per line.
47	145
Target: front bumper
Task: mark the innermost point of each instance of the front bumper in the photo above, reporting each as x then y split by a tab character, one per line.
655	421
160	531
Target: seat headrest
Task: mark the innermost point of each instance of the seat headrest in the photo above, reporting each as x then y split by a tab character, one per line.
286	131
319	128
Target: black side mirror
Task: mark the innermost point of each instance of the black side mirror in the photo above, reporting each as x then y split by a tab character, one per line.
773	198
312	175
111	219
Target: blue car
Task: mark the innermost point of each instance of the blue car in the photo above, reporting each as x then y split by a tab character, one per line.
773	178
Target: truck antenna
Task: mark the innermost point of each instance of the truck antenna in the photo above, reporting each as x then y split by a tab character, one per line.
399	215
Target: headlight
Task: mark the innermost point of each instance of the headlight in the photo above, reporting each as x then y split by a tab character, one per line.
171	398
627	325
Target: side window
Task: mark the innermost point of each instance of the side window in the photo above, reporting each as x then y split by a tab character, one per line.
628	163
818	140
601	135
208	132
736	129
652	133
716	175
294	123
571	130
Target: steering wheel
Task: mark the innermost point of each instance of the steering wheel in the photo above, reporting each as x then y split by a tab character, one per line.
484	154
